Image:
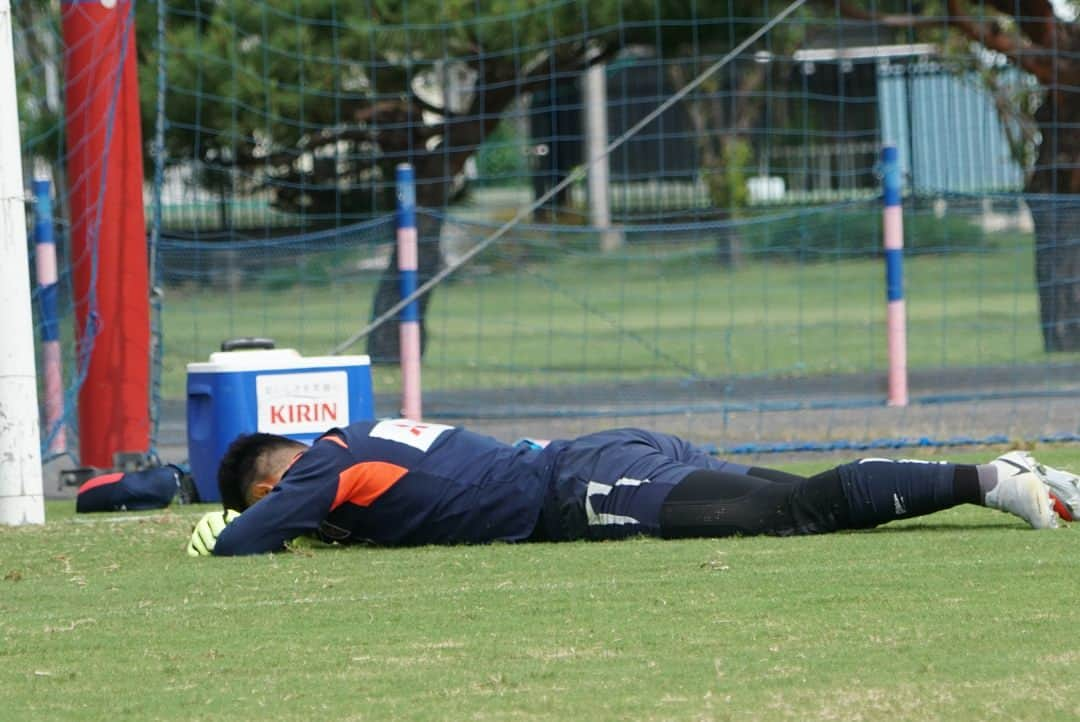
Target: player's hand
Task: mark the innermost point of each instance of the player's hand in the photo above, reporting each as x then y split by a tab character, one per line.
205	534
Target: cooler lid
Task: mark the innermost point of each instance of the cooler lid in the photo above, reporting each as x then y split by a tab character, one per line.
271	360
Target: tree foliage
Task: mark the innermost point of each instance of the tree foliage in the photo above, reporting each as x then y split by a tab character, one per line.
314	99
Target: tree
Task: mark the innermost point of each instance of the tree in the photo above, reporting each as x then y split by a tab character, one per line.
1036	40
315	102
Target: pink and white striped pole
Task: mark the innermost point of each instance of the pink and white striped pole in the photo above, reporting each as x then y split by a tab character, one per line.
47	277
896	315
409	320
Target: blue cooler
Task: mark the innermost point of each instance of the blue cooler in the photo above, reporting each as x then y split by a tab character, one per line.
276	391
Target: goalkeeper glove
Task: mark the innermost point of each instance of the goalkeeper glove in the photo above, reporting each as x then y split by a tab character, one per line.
205	534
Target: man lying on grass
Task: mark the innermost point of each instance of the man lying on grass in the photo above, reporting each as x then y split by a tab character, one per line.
400	482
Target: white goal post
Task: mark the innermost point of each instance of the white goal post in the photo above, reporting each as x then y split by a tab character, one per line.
21	497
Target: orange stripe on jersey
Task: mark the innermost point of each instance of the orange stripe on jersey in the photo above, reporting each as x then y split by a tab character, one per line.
363	483
336	439
293	461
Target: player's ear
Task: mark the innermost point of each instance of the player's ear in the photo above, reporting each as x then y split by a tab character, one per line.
261	488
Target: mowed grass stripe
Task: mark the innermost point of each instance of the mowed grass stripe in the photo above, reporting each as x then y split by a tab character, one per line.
585	318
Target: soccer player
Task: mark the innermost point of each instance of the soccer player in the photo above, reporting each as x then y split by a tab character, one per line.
399	482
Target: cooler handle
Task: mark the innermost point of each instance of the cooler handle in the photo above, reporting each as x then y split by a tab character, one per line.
199	404
247	343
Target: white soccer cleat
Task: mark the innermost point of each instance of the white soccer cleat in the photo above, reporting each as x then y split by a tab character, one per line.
1065	490
1064	486
1021	491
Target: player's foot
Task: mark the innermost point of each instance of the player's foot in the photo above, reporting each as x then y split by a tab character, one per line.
1021	491
1064	486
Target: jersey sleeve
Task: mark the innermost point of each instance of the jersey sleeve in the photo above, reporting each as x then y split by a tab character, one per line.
296	506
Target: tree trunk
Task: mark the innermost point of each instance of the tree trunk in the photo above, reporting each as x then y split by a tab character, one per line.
383	343
1055	209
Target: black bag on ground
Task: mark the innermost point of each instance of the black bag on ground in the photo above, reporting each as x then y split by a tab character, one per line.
152	488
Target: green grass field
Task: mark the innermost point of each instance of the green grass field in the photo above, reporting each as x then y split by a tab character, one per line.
649	313
964	615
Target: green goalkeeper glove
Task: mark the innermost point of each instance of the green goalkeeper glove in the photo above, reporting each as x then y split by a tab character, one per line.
205	534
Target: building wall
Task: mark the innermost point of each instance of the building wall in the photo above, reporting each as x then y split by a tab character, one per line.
949	135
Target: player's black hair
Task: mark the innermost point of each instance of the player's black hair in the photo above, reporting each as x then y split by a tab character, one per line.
244	462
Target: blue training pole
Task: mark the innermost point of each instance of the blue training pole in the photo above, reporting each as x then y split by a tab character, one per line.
896	313
409	320
47	277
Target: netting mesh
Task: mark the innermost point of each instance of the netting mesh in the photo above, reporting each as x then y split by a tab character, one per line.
738	294
39	76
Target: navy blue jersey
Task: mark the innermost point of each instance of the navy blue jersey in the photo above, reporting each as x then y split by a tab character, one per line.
400	482
397	482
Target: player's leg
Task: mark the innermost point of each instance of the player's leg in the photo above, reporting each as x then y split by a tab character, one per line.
633	481
612	484
709	503
859	495
626	482
1018	493
627	478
